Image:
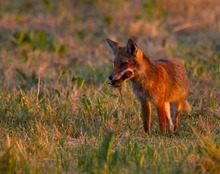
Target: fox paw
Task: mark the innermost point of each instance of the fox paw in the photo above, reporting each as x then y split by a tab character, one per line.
171	129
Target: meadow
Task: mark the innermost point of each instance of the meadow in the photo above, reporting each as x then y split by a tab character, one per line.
58	114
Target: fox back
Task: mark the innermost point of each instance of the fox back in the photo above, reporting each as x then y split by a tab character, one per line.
162	82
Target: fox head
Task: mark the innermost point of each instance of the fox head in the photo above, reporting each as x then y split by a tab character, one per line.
126	61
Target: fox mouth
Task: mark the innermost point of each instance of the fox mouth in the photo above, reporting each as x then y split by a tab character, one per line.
117	83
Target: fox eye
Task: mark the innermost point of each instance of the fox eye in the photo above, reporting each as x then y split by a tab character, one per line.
124	64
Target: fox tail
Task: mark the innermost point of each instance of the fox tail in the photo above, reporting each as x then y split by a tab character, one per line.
186	106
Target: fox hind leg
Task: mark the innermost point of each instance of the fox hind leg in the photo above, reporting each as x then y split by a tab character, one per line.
173	110
168	115
178	109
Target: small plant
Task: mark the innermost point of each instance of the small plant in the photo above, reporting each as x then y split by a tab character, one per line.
37	40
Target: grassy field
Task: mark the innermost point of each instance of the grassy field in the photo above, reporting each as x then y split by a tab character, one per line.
59	115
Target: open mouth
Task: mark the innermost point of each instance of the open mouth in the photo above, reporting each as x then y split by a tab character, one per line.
117	83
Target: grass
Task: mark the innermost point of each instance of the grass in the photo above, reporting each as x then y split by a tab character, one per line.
59	115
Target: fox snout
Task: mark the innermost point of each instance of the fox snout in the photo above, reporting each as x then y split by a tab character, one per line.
118	79
114	77
110	77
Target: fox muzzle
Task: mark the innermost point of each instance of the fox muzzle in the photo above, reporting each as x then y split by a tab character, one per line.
127	72
118	79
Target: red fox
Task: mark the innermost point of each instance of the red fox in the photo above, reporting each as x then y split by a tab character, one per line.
162	82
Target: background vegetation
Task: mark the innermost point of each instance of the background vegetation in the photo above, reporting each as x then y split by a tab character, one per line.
59	115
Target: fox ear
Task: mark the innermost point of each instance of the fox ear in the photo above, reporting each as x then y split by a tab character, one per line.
131	47
114	46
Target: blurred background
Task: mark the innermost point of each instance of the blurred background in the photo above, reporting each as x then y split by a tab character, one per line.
52	38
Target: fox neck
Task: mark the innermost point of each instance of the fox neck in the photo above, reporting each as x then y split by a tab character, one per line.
146	68
141	82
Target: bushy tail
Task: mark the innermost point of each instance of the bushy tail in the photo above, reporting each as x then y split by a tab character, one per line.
186	106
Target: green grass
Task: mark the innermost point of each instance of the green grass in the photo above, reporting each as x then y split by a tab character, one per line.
59	115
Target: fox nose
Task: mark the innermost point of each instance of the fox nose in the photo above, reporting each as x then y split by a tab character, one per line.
110	77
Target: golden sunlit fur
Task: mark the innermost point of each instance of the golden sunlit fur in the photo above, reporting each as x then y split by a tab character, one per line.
162	82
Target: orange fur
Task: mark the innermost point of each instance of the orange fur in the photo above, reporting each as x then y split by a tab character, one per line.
162	82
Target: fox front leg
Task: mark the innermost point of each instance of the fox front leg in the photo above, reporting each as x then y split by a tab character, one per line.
146	114
162	117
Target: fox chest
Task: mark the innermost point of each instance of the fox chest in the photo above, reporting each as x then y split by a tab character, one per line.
142	93
148	91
